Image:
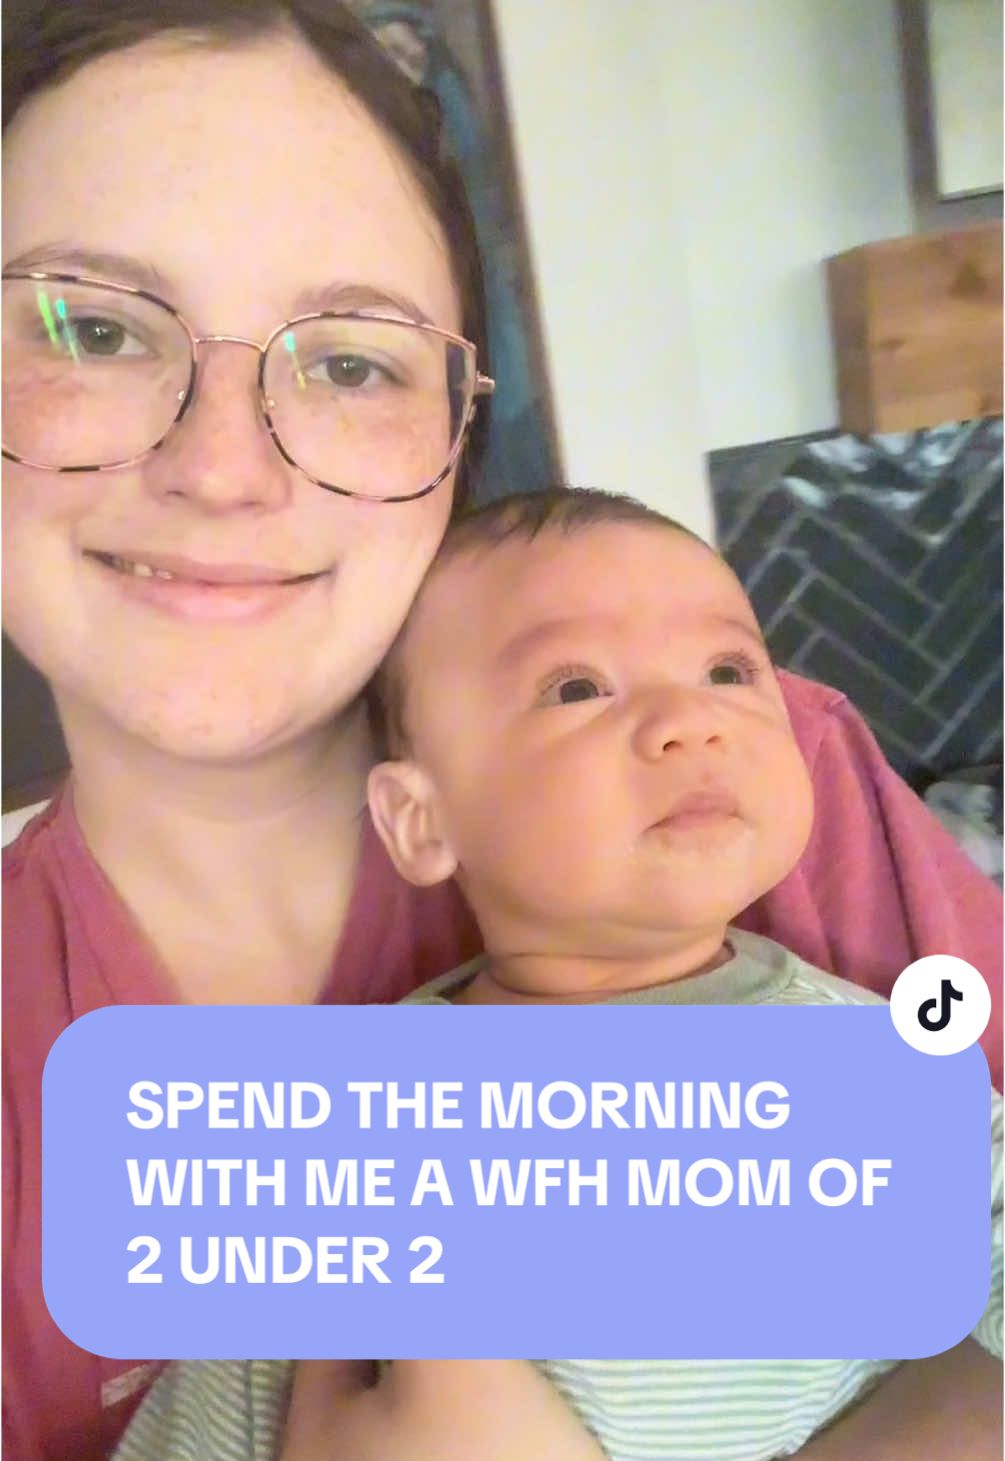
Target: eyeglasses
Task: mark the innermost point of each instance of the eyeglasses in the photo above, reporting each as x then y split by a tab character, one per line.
97	375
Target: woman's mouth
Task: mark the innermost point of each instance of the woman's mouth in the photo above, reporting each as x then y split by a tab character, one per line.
189	589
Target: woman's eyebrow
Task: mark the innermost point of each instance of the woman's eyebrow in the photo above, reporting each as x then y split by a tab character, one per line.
127	269
99	263
356	296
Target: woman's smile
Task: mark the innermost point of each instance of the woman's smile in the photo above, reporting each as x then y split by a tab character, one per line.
214	592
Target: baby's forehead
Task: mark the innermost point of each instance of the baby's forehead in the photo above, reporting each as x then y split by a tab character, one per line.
484	590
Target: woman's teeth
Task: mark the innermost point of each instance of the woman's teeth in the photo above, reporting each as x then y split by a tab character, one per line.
136	568
139	570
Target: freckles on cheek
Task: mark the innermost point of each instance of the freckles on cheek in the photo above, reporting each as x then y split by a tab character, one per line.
417	444
47	412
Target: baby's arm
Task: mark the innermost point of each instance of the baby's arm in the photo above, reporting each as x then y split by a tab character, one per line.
431	1410
419	1410
941	1408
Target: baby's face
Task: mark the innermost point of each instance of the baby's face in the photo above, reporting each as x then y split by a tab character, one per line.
608	743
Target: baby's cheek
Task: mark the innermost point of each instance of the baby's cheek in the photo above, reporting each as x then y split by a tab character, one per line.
795	792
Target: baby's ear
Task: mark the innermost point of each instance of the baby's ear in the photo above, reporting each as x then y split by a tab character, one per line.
406	813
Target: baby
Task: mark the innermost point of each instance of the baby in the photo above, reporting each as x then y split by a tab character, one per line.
583	726
588	734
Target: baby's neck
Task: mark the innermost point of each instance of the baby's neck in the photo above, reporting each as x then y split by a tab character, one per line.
588	979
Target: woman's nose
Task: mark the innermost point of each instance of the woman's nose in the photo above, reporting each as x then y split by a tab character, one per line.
678	718
219	457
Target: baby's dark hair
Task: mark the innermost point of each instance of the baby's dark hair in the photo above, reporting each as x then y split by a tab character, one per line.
523	515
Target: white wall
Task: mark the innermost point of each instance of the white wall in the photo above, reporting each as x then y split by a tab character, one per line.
12	822
686	166
586	103
788	137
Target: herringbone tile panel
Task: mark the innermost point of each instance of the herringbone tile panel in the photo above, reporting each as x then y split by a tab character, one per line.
876	565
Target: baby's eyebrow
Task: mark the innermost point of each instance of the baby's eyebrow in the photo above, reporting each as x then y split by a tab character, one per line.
538	636
739	626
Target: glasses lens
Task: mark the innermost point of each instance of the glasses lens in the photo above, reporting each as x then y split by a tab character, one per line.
372	406
91	376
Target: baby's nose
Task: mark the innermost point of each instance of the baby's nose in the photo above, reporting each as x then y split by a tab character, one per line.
678	718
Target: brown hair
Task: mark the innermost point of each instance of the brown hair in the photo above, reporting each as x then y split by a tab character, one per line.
523	515
46	41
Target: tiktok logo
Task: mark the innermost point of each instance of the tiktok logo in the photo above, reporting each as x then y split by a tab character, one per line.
947	993
940	1005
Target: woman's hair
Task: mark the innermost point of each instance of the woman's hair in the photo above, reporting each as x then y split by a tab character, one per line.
46	41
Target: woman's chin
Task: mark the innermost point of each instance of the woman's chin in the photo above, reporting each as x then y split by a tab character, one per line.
222	728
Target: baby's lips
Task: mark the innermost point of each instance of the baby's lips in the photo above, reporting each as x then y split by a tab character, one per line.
706	803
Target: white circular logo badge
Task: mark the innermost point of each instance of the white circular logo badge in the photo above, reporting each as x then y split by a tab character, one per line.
940	1005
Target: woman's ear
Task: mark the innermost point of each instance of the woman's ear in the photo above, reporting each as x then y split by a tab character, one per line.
406	813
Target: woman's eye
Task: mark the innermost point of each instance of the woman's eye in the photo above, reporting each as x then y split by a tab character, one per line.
739	669
96	336
348	372
572	686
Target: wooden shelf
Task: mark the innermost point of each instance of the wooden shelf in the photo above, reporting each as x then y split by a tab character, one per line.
917	330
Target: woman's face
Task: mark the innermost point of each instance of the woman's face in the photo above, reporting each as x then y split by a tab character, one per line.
236	184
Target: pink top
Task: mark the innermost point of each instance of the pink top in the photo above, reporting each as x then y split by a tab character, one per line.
880	884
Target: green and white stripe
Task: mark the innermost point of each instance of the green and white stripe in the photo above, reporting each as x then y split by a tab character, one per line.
709	1410
211	1410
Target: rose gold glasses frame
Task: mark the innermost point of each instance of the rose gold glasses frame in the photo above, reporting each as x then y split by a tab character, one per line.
482	385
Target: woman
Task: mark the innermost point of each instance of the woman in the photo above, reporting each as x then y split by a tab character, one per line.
209	610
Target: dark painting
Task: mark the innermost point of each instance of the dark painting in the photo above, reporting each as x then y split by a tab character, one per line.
450	47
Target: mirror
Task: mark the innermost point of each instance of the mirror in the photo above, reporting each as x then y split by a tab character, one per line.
965	69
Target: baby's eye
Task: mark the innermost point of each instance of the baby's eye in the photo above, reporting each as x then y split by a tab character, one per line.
736	669
568	686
